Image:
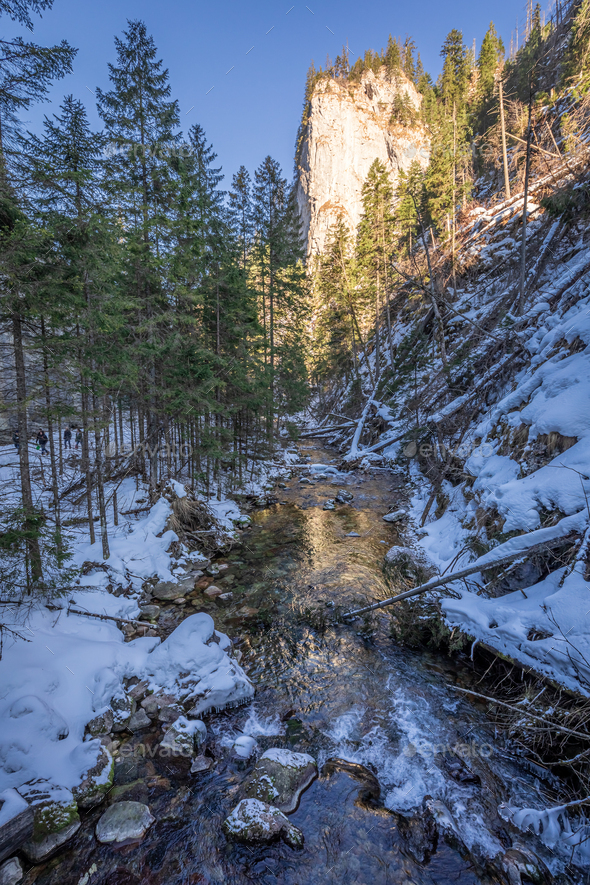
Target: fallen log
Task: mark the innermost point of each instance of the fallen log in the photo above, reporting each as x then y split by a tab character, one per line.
326	431
73	611
464	573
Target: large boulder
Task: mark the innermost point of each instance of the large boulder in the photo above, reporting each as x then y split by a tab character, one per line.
192	664
55	818
124	822
256	821
280	777
97	781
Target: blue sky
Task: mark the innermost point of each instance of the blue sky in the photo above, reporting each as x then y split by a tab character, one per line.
254	109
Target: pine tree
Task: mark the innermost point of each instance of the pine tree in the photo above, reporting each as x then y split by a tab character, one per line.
140	121
374	246
278	257
455	72
489	61
393	58
240	202
26	72
409	65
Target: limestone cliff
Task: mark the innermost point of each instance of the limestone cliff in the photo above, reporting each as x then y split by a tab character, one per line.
349	125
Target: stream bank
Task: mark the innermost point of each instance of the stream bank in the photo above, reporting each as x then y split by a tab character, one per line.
335	693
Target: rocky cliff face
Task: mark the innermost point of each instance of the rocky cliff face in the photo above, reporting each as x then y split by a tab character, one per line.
349	126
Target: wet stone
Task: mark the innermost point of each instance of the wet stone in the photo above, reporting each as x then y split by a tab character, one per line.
124	822
280	777
419	835
201	764
255	821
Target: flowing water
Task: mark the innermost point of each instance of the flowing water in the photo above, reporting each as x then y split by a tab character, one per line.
331	691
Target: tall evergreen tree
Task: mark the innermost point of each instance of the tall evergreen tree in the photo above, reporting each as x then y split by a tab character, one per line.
240	203
278	257
140	121
374	245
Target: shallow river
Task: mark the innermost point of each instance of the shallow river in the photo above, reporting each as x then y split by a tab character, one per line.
329	692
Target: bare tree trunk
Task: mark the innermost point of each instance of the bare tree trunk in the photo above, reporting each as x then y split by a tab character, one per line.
61	454
54	480
86	460
98	472
32	542
522	286
504	151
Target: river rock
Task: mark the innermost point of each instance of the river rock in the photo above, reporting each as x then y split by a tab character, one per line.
458	770
522	866
344	497
200	764
55	818
256	821
124	822
213	591
244	746
183	738
149	612
123	708
165	591
419	834
280	777
97	782
169	713
102	724
329	505
395	516
225	598
370	791
139	721
11	872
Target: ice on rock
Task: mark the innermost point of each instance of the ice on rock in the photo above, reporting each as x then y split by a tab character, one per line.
192	663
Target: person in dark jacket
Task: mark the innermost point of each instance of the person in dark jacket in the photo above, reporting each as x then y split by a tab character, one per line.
42	439
78	437
67	438
16	440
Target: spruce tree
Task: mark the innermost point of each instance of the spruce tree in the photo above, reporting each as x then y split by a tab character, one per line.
240	203
140	122
374	246
489	61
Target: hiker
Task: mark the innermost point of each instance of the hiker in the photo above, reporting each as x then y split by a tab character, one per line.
42	439
67	438
16	441
78	437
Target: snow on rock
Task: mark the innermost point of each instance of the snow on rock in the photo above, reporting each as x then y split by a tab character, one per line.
60	680
245	746
193	664
323	468
256	821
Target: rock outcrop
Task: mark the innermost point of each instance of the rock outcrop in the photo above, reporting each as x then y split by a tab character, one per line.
350	125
